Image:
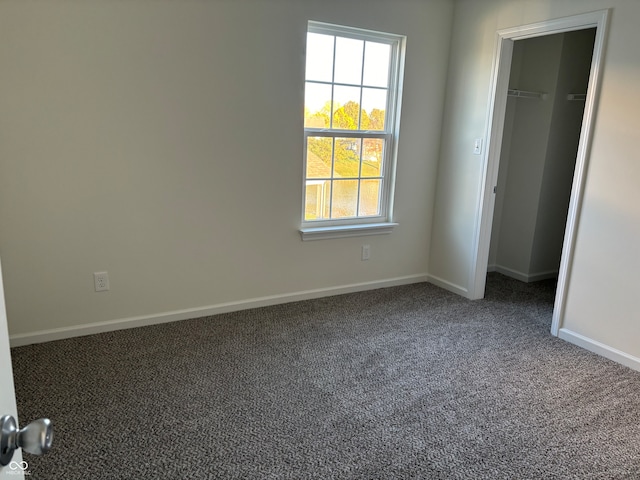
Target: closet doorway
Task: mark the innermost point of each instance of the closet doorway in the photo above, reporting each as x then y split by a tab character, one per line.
543	119
545	209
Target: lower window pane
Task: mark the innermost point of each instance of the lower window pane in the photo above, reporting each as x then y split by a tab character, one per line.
345	198
319	153
372	150
369	198
316	202
347	157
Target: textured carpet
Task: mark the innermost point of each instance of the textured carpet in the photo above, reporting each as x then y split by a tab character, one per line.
403	382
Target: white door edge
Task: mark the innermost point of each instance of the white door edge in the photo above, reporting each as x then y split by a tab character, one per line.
15	470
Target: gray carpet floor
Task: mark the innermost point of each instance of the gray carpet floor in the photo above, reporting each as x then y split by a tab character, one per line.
403	382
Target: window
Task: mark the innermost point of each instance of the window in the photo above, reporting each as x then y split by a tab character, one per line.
352	82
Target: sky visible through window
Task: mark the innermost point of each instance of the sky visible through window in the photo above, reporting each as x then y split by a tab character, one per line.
346	90
359	72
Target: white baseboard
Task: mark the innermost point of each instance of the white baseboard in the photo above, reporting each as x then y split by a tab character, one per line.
452	287
145	320
523	277
600	348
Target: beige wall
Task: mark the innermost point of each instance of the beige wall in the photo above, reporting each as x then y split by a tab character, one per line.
143	138
161	141
601	303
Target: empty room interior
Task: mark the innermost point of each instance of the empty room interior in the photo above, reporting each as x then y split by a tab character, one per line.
320	239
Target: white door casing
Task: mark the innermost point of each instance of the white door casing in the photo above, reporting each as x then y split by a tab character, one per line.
495	122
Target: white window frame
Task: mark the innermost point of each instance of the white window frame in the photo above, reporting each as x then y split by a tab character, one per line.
369	225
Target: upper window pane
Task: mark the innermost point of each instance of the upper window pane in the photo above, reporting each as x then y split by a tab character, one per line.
346	107
347	85
317	105
376	64
319	57
348	61
374	104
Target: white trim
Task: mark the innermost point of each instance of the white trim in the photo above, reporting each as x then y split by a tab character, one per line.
523	277
452	287
391	133
495	121
580	175
332	29
539	276
600	348
340	231
165	317
501	70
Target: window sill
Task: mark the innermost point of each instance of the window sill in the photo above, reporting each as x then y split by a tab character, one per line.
341	231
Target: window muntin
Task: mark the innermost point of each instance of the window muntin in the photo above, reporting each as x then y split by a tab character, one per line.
351	83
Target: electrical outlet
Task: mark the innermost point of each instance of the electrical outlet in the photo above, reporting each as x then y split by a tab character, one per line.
101	281
366	252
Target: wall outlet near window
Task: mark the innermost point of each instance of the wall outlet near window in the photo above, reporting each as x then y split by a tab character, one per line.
101	281
366	252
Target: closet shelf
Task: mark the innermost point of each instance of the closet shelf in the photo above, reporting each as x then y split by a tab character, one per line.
512	92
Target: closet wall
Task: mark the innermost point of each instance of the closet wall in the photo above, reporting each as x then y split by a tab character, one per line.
538	156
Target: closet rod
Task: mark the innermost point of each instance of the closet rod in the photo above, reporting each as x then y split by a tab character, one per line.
512	92
577	96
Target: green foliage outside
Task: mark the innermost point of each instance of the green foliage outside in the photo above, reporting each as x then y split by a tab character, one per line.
347	150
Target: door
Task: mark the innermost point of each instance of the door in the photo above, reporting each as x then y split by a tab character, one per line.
37	437
7	395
